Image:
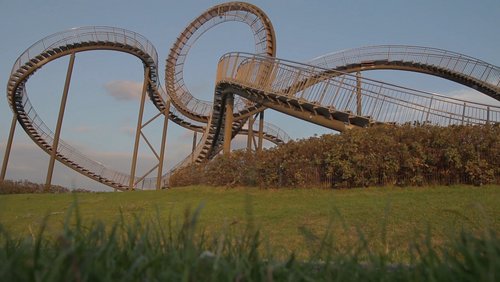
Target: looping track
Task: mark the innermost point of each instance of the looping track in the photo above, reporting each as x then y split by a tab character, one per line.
265	44
323	92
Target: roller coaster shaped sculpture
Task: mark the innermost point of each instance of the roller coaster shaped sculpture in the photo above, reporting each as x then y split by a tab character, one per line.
327	91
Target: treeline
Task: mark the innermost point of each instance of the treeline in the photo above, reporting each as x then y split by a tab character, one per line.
27	187
376	156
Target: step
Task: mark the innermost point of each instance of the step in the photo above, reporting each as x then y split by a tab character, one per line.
341	116
45	55
360	121
57	50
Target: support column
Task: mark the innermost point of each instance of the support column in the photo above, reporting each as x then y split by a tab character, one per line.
228	126
57	134
166	114
195	138
138	130
8	147
261	130
358	93
250	133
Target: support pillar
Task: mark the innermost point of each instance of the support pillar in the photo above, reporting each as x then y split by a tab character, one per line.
57	134
8	147
261	130
250	133
138	130
228	126
166	114
358	93
195	138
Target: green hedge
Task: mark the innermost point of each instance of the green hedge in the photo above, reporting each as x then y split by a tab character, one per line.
376	156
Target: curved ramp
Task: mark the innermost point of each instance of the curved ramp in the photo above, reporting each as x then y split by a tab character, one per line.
453	66
265	44
340	101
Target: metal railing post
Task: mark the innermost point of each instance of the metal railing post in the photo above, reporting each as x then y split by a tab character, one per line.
55	144
8	147
488	115
138	129
463	114
358	93
429	110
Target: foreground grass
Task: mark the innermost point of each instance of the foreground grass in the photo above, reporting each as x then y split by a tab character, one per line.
288	220
154	250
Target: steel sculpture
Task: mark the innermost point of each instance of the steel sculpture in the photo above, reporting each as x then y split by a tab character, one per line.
328	91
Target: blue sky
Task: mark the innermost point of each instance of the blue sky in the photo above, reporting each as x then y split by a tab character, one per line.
102	106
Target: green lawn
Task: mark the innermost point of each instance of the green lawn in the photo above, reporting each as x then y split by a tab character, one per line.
389	217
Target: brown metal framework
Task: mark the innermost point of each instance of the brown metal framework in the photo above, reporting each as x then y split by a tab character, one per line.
328	91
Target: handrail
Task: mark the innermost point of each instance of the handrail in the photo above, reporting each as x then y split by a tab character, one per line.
272	130
91	35
249	14
69	152
78	35
448	60
383	102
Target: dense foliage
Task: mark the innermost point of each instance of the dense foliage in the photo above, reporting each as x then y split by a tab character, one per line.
27	187
380	155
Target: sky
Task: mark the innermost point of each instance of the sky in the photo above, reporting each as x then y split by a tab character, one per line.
103	104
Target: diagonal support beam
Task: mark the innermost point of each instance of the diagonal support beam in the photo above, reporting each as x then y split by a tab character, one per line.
8	147
57	134
150	146
138	130
166	113
228	127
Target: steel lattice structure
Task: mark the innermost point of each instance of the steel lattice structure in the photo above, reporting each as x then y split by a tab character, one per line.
328	91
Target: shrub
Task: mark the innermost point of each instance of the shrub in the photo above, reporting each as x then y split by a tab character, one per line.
380	155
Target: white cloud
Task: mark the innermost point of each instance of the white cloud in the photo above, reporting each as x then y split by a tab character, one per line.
473	96
124	90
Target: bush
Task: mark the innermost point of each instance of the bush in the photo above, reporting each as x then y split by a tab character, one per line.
381	155
27	187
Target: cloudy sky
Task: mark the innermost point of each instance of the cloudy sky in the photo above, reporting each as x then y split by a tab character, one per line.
103	102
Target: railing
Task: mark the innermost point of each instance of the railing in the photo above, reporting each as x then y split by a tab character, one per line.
67	151
272	130
240	12
67	38
85	34
381	102
447	60
186	122
150	183
269	130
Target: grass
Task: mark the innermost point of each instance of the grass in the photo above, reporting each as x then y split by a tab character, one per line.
390	217
144	242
